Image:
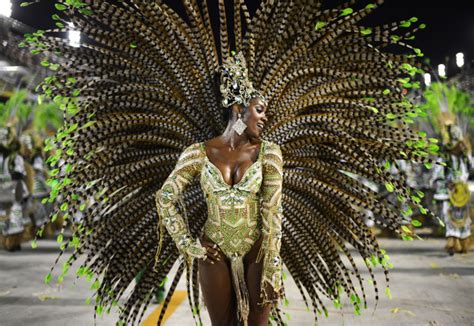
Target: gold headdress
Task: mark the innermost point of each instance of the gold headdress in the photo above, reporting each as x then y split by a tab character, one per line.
235	85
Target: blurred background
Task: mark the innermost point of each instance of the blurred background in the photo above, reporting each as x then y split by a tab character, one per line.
445	91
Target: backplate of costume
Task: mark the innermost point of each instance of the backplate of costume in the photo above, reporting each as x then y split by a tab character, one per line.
144	83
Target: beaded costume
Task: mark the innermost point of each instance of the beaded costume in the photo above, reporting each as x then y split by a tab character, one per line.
235	219
141	98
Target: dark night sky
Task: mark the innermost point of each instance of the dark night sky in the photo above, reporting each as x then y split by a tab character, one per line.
450	24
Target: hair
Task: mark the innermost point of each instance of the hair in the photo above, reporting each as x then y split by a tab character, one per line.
227	112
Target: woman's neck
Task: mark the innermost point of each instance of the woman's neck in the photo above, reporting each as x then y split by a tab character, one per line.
233	139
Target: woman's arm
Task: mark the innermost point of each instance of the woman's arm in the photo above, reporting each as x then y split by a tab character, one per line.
272	213
187	167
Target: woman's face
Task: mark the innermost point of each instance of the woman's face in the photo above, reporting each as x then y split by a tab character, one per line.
255	117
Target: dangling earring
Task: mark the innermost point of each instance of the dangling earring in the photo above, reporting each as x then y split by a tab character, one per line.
239	126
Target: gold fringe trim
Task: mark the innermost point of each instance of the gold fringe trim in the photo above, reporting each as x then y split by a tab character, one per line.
238	276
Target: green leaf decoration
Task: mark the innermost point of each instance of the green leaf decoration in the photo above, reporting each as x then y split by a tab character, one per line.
389	186
164	281
133	45
319	25
54	172
422	26
441	222
88	124
60	238
386	91
47	278
86	12
407	237
395	38
373	109
355	298
81	271
388	293
366	31
346	12
95	285
406	229
416	199
68	168
416	223
405	24
25	4
433	148
34	244
60	6
39	233
418	52
55	17
66	266
374	259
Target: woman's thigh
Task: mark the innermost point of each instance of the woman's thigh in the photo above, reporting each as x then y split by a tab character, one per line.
253	272
216	287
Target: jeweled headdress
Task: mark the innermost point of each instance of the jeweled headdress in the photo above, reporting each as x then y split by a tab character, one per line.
235	85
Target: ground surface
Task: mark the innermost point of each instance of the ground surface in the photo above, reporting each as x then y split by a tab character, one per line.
428	288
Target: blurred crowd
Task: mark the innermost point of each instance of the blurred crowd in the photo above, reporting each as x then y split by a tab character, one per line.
444	189
23	175
24	192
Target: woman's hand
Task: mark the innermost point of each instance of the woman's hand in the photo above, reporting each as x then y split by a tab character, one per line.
213	254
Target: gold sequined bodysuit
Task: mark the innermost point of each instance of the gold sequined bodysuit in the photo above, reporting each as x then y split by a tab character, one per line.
237	215
233	211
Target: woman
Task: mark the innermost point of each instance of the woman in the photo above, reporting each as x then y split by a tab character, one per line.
143	91
239	173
